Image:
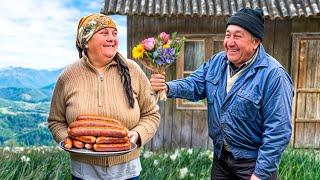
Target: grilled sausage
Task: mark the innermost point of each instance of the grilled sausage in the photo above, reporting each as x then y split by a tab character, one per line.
98	131
94	123
112	147
111	140
85	139
67	143
78	144
88	146
92	117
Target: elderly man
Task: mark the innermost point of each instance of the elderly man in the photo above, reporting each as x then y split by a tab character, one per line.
249	97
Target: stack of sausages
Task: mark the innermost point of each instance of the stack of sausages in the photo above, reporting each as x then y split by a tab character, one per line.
97	133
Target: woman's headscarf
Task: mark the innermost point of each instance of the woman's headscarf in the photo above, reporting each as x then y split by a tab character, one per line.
90	24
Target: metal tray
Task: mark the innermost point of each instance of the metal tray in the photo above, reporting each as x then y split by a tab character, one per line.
94	153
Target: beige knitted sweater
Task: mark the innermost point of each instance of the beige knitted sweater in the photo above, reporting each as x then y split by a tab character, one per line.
80	89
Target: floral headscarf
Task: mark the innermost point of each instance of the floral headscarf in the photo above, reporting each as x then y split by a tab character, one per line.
90	24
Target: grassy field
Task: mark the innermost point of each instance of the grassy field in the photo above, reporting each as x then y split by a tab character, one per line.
53	163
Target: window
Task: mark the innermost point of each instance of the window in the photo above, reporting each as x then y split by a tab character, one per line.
197	49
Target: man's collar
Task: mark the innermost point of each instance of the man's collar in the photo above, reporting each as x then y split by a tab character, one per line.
234	69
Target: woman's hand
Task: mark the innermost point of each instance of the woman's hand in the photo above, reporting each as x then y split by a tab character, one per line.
158	82
134	136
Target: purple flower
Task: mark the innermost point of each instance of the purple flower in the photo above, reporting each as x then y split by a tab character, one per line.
158	61
167	55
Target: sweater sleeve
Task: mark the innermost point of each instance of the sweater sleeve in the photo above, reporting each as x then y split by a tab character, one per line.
57	120
149	110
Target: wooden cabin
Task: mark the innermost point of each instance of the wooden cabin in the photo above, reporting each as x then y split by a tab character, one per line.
292	36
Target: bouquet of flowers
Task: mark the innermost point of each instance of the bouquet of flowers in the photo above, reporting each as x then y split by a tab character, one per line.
158	53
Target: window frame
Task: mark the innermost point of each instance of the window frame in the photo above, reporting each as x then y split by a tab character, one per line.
208	40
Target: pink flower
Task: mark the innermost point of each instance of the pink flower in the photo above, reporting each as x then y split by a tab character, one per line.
148	43
164	37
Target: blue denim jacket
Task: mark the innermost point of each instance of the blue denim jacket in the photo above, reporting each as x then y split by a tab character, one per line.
254	117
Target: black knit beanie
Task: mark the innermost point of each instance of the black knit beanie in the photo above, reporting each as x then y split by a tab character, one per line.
249	19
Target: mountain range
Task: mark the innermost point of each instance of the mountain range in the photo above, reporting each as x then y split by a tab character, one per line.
25	96
28	85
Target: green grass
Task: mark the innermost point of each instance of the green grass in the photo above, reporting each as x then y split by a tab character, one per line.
53	163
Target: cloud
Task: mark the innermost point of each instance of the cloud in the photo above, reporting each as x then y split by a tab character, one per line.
41	34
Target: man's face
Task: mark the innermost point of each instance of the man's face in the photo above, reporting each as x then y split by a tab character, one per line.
239	44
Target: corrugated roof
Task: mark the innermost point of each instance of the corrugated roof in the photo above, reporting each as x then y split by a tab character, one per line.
272	8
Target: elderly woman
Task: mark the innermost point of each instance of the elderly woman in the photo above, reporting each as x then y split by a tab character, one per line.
102	82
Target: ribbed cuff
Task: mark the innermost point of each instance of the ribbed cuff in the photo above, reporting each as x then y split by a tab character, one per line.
143	133
60	135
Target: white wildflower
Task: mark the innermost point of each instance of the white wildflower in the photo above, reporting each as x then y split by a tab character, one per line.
173	157
165	155
190	151
201	154
25	158
147	154
17	149
183	172
6	149
155	162
177	152
210	156
21	149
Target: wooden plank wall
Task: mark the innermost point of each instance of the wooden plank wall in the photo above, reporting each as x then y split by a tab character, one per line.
188	128
307	119
306	134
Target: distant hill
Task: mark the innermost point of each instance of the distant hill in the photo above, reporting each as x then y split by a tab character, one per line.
28	85
24	123
25	94
19	77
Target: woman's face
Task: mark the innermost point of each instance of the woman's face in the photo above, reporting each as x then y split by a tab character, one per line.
103	44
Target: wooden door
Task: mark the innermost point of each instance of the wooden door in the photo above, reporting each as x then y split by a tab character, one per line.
306	105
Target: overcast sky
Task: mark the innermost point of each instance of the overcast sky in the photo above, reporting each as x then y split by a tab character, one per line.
41	34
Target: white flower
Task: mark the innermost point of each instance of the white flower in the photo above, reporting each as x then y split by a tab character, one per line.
210	156
6	149
177	152
25	158
173	157
17	149
189	151
183	172
147	154
165	155
155	162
